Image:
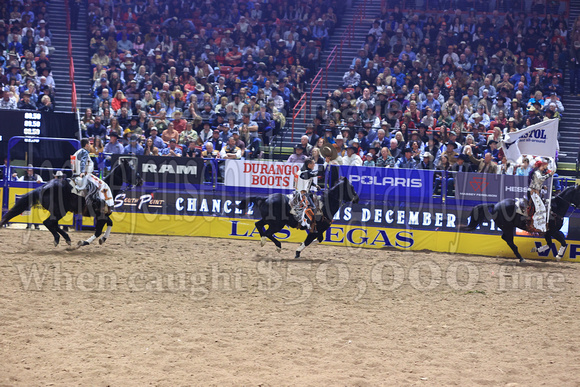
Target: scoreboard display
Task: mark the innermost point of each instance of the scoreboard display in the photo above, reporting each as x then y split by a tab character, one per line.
33	125
21	123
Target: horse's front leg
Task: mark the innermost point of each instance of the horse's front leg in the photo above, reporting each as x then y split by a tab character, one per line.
560	238
98	231
104	238
309	239
545	247
260	227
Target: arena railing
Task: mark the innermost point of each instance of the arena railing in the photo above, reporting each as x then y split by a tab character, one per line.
71	63
336	52
300	105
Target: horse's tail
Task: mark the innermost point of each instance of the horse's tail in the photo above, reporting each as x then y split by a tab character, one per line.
25	203
478	214
245	203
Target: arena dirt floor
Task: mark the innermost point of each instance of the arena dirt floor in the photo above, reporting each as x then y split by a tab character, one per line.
171	311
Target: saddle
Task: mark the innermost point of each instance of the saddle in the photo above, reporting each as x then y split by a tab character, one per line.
526	208
522	207
300	206
96	192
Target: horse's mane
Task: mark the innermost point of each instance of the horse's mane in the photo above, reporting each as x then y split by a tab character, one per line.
335	186
107	179
564	194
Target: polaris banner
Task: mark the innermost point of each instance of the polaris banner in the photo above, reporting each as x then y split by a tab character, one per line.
159	170
490	187
372	183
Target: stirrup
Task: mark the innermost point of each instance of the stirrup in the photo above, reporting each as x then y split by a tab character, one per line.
308	213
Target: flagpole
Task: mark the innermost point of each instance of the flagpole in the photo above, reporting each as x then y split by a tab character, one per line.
549	198
551	188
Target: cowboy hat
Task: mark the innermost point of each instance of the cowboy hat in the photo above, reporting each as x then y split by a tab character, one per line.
463	157
427	154
59	174
328	150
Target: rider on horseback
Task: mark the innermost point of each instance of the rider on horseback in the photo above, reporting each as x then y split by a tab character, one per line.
302	203
88	185
536	180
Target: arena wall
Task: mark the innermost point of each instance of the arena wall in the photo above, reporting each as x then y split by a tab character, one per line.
348	235
404	221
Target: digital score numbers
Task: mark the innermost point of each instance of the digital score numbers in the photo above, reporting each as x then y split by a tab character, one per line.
32	125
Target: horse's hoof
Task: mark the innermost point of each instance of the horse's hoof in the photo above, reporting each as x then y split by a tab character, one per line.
102	240
278	249
263	241
55	243
522	260
297	255
82	243
534	250
558	257
69	242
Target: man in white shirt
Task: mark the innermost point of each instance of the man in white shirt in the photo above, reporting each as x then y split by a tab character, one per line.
7	102
554	101
352	158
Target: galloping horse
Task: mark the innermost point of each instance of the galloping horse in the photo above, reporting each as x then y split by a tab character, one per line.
57	197
505	216
275	213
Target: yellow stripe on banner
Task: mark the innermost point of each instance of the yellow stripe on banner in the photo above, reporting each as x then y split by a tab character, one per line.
338	235
36	214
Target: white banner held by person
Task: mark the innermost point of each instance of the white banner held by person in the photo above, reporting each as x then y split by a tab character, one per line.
540	139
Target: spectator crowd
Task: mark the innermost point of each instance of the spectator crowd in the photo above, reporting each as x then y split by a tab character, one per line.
438	91
200	78
26	80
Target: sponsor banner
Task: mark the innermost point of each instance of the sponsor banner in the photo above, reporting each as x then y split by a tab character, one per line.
160	170
37	214
338	235
177	203
431	217
262	174
390	215
490	187
373	183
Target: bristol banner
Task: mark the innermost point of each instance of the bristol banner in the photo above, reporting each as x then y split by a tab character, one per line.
260	174
490	187
372	183
540	139
159	170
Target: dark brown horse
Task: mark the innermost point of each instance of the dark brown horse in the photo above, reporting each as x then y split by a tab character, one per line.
275	213
57	197
506	217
